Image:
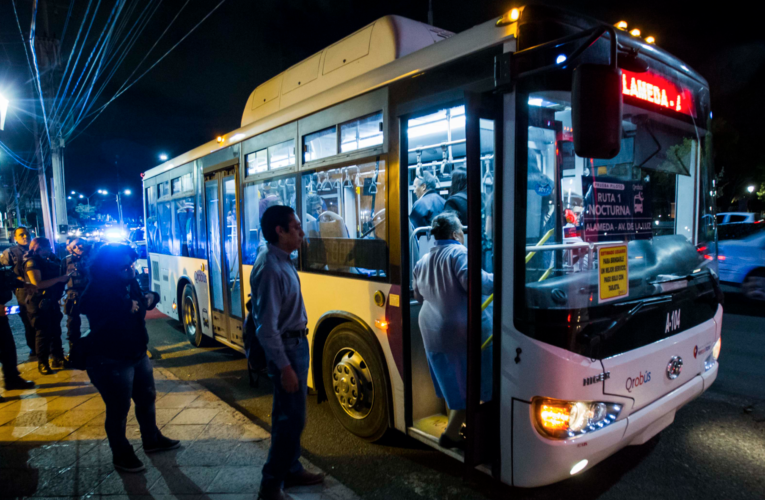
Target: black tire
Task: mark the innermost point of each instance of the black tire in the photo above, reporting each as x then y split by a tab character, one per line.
753	286
189	316
350	353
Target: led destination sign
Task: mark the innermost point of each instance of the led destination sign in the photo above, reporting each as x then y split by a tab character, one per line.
656	89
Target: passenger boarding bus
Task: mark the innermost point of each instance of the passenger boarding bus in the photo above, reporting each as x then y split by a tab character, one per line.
583	153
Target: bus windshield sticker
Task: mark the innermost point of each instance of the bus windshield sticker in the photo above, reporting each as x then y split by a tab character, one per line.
658	90
615	209
613	273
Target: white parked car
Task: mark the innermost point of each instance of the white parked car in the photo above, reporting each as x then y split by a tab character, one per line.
742	262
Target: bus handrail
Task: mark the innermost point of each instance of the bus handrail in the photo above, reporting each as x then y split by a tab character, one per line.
439	145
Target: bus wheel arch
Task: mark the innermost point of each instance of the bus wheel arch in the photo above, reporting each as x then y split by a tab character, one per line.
355	336
182	282
188	313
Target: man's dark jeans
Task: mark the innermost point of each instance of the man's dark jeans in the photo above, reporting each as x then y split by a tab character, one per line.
118	381
7	349
287	417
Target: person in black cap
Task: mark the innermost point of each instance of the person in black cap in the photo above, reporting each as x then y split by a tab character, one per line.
14	256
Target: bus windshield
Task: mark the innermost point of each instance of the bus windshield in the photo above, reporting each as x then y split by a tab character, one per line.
615	231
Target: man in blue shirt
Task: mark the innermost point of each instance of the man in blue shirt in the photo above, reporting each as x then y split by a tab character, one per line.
429	203
281	320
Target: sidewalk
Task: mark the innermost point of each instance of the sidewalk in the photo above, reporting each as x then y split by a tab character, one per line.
53	444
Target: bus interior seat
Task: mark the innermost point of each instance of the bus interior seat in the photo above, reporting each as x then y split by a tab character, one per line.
331	225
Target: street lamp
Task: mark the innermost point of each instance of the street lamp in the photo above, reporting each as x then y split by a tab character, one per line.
4	102
126	192
163	157
750	189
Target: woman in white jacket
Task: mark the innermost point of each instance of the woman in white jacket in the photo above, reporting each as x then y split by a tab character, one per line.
440	284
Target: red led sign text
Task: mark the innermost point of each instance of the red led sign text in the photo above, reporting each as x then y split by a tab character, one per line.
657	90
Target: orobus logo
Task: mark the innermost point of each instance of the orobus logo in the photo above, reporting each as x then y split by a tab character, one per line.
673	321
632	383
597	378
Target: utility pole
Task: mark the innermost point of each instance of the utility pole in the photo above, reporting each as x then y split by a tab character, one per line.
59	193
47	223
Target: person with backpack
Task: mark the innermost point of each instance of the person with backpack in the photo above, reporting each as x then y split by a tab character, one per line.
42	269
279	313
75	265
14	257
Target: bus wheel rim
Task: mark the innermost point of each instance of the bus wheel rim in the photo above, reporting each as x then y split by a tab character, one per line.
352	383
190	316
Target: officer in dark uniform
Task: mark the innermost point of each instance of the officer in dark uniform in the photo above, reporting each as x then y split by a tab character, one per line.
11	376
14	257
75	265
42	269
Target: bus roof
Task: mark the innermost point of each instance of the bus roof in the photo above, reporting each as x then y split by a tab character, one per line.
390	49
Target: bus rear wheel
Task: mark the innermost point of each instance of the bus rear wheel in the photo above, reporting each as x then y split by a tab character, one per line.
190	319
355	381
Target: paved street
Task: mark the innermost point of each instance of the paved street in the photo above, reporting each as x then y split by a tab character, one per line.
716	445
53	444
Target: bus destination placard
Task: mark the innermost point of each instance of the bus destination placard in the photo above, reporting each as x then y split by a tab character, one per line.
613	273
615	210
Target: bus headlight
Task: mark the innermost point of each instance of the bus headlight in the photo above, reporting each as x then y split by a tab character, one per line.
716	349
559	419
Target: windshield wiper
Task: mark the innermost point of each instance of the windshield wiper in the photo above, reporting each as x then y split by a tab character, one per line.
624	318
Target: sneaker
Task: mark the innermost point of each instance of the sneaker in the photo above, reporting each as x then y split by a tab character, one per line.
45	369
57	364
128	462
303	478
162	443
18	383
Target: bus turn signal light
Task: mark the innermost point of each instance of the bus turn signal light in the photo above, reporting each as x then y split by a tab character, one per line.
381	324
558	419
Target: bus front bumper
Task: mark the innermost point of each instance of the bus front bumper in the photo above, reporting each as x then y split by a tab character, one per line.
539	461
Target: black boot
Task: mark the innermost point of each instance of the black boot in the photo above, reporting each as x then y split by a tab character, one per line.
57	363
161	443
45	369
14	383
127	461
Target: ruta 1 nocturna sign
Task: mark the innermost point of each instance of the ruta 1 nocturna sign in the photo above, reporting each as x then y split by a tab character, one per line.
613	273
615	210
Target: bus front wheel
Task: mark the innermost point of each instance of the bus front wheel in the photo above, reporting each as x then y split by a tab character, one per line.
355	381
190	319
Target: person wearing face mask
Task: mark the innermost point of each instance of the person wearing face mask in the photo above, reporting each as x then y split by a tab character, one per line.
115	351
75	266
440	282
14	257
42	270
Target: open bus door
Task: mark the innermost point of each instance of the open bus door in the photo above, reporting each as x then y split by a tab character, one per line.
222	209
483	162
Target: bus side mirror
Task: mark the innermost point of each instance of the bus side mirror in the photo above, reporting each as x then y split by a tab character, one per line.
596	111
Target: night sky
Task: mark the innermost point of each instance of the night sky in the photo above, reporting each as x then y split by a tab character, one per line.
199	91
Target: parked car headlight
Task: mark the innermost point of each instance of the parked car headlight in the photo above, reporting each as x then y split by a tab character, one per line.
559	419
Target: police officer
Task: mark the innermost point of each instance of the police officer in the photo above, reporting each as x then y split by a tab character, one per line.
75	265
42	269
11	375
14	256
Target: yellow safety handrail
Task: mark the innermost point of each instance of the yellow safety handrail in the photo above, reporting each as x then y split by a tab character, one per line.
540	243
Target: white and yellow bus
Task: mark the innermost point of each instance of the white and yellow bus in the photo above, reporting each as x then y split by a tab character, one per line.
590	197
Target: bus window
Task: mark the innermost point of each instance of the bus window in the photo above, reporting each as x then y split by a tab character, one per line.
152	227
165	220
258	196
344	219
320	144
362	133
184	230
579	205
